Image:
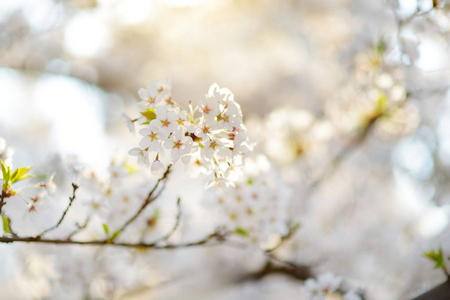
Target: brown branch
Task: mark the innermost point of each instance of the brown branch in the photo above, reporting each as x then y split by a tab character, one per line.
215	238
300	272
71	199
80	227
297	271
276	265
2	201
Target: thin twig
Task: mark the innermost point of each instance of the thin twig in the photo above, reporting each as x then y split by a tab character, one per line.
2	201
80	227
71	199
174	228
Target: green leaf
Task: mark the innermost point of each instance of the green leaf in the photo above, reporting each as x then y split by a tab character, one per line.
106	229
149	113
381	47
6	171
19	174
156	213
6	226
114	235
436	257
241	232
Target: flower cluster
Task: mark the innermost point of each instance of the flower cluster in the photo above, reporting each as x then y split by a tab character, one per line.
256	206
210	136
107	198
376	91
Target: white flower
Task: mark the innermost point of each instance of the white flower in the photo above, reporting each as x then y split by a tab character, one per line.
329	282
205	129
49	184
324	285
241	152
129	122
150	97
142	156
209	108
163	88
166	120
152	138
182	120
179	144
228	120
210	148
157	168
200	165
238	134
313	289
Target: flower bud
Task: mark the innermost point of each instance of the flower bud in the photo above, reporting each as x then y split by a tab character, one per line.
157	168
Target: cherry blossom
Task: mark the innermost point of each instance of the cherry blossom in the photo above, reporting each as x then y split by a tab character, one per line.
152	138
325	284
211	135
142	156
178	144
158	168
129	122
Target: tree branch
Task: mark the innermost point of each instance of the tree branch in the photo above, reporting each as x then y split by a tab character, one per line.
150	198
215	238
300	272
80	227
174	228
2	201
71	199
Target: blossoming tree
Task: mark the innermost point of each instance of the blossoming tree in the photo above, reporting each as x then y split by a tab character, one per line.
336	187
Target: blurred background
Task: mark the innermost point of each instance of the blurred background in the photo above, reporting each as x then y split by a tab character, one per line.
348	99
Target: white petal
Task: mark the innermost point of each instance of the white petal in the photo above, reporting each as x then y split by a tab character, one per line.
143	93
157	168
135	151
